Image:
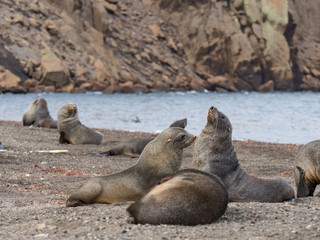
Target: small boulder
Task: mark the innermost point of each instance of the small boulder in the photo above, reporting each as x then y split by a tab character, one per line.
53	71
10	82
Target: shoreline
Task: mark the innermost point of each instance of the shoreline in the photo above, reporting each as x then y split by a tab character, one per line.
19	123
34	185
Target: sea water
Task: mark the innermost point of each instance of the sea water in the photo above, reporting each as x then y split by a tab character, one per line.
278	117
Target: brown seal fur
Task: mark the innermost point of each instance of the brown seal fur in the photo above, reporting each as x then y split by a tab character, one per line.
182	123
214	153
133	147
187	197
307	169
38	115
161	157
72	130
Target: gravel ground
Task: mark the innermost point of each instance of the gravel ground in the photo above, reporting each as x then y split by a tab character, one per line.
34	187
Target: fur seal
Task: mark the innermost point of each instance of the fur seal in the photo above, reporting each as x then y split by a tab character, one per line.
130	148
161	157
307	169
72	130
214	153
38	115
133	147
187	197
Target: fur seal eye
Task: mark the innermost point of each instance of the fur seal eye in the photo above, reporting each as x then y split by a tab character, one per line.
181	137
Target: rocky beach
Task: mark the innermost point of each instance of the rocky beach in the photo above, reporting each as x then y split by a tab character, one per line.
128	46
35	184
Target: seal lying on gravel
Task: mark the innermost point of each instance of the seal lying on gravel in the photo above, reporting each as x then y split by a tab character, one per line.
131	148
187	197
307	169
72	130
161	157
38	115
214	153
135	146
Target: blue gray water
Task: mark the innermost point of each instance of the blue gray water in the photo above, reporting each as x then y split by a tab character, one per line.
271	117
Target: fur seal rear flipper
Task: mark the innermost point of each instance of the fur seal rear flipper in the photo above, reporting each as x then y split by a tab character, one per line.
214	153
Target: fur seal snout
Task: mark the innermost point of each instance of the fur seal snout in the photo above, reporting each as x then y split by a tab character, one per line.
161	157
307	169
214	152
187	197
72	130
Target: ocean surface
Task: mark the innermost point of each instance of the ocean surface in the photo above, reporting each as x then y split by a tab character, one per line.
277	117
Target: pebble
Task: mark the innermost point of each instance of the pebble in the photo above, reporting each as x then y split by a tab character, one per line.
42	235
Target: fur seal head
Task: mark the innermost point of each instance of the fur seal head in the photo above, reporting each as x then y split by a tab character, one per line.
68	114
68	111
170	144
218	121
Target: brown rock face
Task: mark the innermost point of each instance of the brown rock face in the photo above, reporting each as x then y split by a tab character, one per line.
9	82
254	43
163	45
54	73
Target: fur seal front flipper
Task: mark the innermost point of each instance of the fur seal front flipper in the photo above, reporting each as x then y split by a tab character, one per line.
161	157
214	153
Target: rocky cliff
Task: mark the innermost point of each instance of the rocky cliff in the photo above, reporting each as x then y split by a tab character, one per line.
159	45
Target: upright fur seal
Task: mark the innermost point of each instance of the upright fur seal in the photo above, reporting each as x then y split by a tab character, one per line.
72	130
133	147
38	115
161	157
307	169
214	153
187	197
